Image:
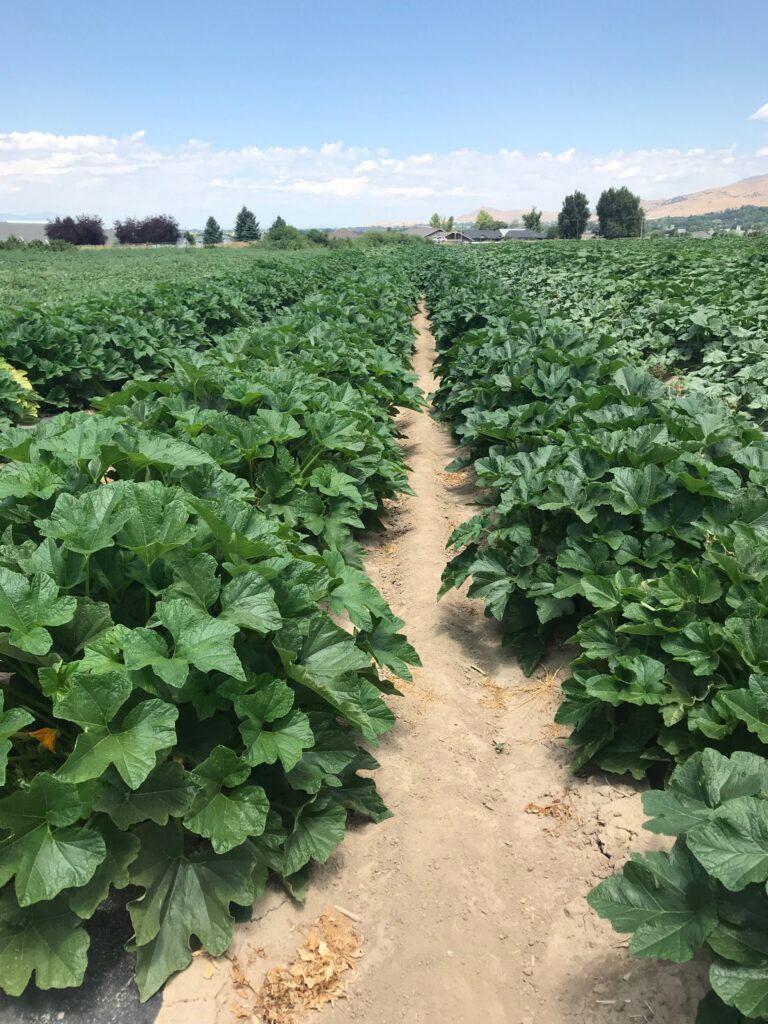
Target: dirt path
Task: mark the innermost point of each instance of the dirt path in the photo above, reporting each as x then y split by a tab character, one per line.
471	899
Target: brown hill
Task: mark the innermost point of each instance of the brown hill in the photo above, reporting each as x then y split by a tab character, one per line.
747	192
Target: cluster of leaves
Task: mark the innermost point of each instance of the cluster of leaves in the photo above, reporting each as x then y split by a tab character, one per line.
85	229
158	229
626	511
181	709
694	308
77	348
18	402
709	891
638	515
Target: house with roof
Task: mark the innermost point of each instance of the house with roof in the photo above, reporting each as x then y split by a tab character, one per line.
472	236
522	234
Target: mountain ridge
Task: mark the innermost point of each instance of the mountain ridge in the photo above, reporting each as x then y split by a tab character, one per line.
752	191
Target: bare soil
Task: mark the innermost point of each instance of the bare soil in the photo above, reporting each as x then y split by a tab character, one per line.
471	900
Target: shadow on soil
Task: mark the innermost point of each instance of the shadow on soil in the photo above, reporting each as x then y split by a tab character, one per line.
642	991
108	994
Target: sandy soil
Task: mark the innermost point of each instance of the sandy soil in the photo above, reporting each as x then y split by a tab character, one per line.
471	900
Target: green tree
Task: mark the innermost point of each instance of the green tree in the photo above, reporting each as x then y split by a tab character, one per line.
82	230
484	221
442	223
190	238
277	230
212	233
284	236
246	226
620	213
317	237
532	219
573	218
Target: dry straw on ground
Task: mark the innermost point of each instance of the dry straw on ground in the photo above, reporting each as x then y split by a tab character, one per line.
319	974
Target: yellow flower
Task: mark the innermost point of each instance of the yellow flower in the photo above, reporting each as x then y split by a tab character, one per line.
46	738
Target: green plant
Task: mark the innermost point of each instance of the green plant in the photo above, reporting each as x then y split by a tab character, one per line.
179	709
709	891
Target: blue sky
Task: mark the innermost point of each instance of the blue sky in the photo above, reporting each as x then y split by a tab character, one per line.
245	102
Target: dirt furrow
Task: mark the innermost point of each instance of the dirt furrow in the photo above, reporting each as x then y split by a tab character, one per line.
471	899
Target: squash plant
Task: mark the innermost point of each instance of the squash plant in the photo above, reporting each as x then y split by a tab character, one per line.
191	657
709	891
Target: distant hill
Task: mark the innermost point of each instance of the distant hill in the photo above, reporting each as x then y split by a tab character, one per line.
747	192
28	218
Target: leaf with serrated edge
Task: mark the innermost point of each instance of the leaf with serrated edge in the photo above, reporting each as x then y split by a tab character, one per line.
43	852
184	896
46	940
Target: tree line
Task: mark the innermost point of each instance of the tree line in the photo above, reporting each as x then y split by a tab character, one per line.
619	214
163	229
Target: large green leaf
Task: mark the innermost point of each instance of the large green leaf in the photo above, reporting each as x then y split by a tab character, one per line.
88	522
226	818
248	601
46	940
333	750
43	852
166	792
353	592
130	742
746	988
635	490
317	831
390	648
271	729
733	847
750	705
27	606
122	850
322	660
750	638
158	520
198	640
699	786
664	899
185	896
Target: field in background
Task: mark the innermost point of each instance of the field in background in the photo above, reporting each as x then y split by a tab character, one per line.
174	569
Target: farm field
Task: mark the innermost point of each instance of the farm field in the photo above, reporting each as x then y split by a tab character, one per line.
222	547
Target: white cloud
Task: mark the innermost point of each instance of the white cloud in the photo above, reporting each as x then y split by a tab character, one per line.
332	183
611	167
761	114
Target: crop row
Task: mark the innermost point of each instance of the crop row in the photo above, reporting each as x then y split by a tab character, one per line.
633	518
192	650
78	347
699	309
